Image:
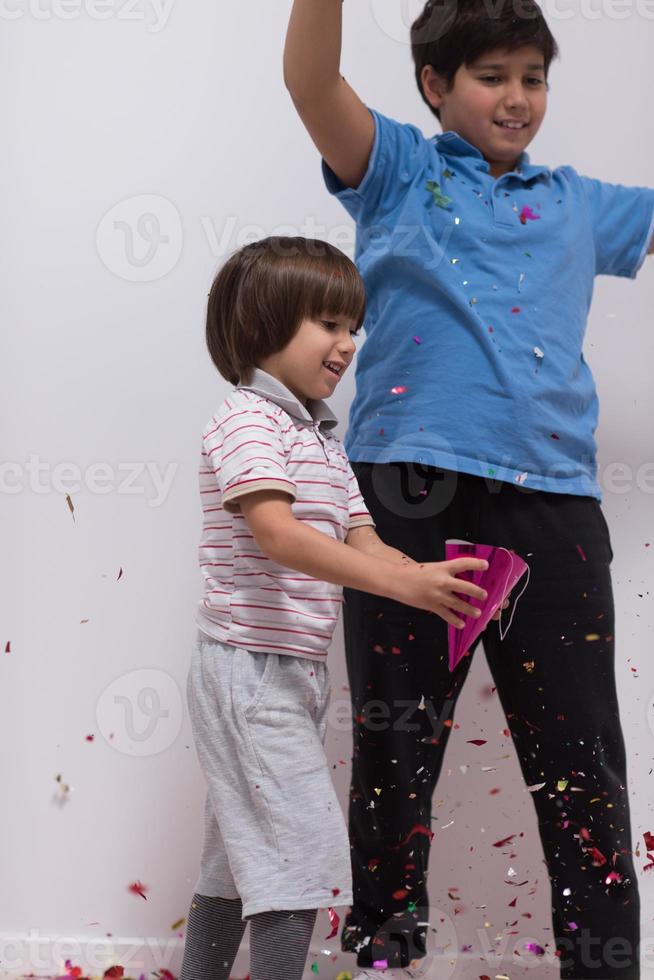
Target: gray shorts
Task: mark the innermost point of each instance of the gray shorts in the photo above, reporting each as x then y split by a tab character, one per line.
274	830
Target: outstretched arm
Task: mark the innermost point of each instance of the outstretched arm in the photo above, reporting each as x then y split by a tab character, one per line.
295	544
336	119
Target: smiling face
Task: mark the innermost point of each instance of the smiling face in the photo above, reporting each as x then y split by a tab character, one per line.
316	357
496	103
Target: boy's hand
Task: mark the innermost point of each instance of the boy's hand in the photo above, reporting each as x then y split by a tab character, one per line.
436	588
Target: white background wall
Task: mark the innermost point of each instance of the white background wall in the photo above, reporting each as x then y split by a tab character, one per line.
106	386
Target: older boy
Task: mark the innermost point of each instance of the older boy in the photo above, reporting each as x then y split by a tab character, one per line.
474	417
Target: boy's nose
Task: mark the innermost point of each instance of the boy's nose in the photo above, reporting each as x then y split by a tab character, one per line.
515	96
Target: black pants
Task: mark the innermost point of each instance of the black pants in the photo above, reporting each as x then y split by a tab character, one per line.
554	674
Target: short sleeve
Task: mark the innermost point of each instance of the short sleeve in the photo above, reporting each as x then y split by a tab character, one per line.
359	515
246	452
623	224
399	152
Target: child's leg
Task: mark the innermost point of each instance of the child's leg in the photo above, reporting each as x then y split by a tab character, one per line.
403	698
274	829
213	935
279	943
555	677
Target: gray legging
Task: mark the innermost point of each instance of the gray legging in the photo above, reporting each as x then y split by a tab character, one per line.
279	941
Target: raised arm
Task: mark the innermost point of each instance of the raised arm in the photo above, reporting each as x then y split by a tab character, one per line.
335	117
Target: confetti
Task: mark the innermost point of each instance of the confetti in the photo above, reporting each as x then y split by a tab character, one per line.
598	858
334	920
440	199
592	637
534	948
516	309
504	842
417	340
582	553
477	741
417	829
528	215
8	647
136	888
521	478
380	964
314	968
399	390
179	923
529	666
71	508
64	789
538	352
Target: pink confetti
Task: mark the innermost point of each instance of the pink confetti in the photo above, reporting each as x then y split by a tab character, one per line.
399	390
581	552
528	215
535	948
417	340
380	964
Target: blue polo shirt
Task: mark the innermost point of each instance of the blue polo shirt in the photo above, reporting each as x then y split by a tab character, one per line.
478	297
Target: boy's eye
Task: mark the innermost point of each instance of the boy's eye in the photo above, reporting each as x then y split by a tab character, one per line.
496	78
355	333
329	324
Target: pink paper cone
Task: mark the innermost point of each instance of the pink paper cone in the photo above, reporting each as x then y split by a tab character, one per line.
505	569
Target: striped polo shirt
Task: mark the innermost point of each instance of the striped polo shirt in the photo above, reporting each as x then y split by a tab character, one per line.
263	438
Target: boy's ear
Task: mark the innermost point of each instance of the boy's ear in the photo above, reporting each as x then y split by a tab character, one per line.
433	85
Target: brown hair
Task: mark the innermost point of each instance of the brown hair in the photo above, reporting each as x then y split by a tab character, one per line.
263	292
451	33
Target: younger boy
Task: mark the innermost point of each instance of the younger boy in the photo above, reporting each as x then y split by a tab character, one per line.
284	527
